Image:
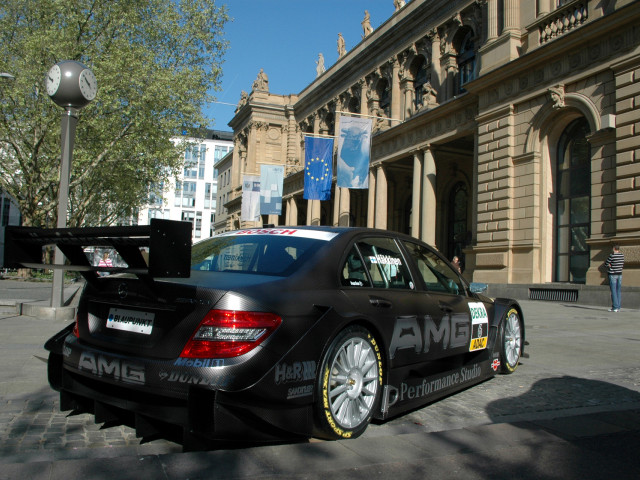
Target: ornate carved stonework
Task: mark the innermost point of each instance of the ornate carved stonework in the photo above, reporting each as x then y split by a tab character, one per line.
556	96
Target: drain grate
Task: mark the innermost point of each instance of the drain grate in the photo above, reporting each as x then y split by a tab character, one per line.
553	294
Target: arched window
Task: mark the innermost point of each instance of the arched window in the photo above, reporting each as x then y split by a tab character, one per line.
420	78
573	207
466	60
384	97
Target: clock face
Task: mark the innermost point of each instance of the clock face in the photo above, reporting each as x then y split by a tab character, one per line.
53	80
88	84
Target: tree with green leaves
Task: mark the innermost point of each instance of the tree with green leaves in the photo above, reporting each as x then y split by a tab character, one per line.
157	63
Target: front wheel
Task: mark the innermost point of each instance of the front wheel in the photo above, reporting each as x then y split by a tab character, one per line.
511	341
350	384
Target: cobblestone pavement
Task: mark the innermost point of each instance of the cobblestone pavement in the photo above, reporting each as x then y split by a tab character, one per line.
579	360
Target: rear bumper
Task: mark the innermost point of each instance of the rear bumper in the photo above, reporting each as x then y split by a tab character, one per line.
184	412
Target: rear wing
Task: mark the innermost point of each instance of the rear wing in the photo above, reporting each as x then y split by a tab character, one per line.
168	243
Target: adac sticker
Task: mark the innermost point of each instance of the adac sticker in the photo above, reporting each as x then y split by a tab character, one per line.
479	326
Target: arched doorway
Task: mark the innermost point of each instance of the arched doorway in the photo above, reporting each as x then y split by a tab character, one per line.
573	203
458	221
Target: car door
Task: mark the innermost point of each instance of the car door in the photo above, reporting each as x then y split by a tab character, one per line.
378	281
458	326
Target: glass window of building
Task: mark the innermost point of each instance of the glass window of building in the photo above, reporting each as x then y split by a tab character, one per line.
573	207
466	60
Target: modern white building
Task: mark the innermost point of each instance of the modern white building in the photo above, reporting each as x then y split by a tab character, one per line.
192	195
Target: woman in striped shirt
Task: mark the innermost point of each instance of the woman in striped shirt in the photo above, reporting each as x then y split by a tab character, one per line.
614	264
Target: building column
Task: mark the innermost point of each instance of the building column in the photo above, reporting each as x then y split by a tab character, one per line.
428	197
292	212
371	204
544	7
309	202
315	212
364	105
345	207
511	15
336	206
396	101
381	198
436	77
492	11
415	195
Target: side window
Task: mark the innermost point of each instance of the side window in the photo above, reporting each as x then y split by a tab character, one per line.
353	271
385	264
437	275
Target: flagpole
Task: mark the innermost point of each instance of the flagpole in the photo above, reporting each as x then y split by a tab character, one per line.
370	116
320	135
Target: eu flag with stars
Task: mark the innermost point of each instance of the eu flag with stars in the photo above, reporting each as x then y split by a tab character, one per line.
318	168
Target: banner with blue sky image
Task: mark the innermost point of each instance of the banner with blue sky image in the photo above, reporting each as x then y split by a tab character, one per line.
354	152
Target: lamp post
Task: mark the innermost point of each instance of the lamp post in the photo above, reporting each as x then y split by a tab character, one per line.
72	86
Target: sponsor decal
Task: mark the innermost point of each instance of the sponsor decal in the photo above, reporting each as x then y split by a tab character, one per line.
385	260
118	369
297	392
296	372
495	364
432	385
187	378
130	320
199	362
479	326
410	332
313	234
356	283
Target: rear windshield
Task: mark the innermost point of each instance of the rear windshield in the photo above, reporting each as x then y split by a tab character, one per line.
251	252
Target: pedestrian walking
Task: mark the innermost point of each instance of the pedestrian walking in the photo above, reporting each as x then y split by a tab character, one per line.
614	264
456	264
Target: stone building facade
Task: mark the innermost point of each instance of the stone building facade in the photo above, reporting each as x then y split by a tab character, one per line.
505	132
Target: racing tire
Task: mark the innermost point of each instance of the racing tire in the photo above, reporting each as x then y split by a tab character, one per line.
510	341
349	385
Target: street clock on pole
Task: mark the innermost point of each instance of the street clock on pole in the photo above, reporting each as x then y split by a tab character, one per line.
71	84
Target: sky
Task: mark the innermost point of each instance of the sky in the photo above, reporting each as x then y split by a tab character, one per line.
284	37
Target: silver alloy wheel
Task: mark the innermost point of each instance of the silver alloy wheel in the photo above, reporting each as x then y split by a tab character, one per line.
353	382
512	339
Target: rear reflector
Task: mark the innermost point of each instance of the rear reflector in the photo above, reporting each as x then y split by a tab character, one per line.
227	333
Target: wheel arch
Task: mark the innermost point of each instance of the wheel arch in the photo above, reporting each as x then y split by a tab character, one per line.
502	306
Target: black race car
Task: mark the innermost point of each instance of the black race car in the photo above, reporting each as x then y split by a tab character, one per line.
268	333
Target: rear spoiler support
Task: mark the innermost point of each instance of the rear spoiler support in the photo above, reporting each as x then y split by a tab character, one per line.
168	243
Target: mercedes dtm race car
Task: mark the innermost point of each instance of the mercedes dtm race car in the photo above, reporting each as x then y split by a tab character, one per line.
268	333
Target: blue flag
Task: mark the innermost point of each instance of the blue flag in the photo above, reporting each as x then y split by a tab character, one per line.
318	168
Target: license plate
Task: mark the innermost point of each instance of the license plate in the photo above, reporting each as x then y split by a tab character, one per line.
130	320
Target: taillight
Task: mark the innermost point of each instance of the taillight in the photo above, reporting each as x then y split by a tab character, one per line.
75	330
227	333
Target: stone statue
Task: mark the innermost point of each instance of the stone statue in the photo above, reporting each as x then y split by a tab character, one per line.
398	4
320	65
261	82
429	96
244	98
366	24
342	49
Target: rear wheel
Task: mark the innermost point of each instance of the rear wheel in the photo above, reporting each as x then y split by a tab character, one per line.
350	384
511	346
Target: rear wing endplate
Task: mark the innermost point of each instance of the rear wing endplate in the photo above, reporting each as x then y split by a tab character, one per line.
168	243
